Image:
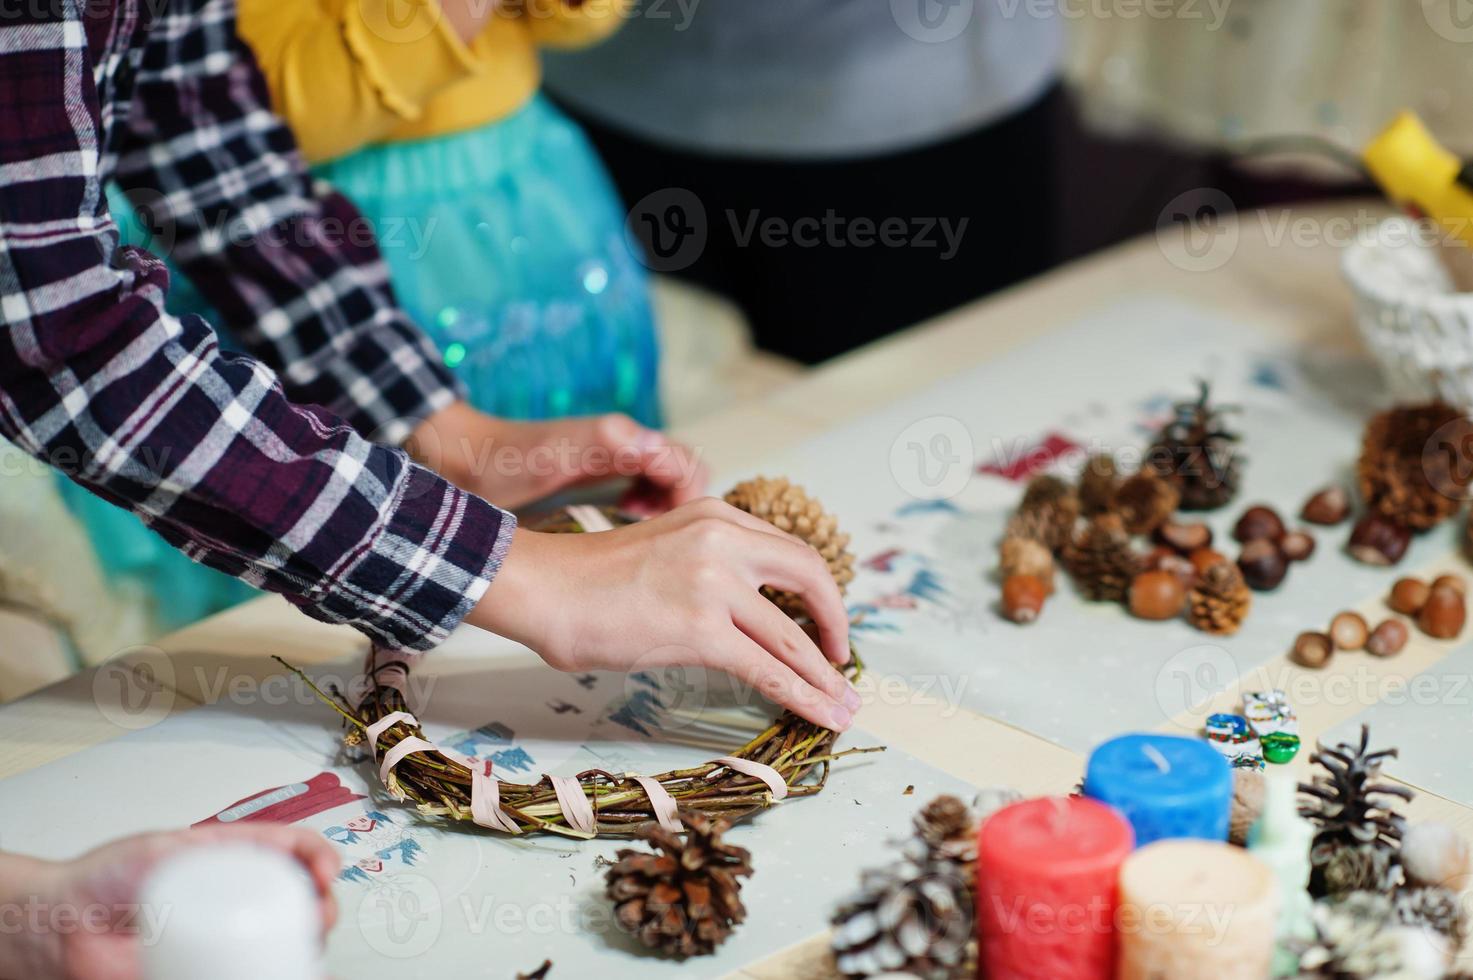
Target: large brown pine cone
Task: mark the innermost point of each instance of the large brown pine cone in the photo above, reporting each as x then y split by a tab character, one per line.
1146	501
1414	466
1102	560
1220	600
789	508
684	899
1048	512
1098	483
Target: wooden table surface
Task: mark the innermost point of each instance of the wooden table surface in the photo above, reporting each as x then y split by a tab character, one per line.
1287	283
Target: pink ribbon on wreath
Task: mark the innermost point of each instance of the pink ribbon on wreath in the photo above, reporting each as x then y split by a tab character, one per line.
573	803
664	805
395	755
758	770
590	518
486	799
372	732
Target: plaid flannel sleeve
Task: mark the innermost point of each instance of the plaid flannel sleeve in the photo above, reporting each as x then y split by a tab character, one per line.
147	411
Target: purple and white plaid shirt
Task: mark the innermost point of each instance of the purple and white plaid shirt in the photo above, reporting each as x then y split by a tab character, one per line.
228	457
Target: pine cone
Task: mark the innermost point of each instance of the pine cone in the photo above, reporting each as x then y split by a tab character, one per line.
1102	560
1357	826
1098	483
1146	501
1408	477
1352	939
1439	909
789	508
1220	600
1338	868
914	916
1198	453
685	898
1048	512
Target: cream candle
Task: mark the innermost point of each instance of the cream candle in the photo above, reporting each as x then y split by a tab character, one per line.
1047	880
1196	910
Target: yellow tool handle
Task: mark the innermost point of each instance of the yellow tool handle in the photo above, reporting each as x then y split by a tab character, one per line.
1419	174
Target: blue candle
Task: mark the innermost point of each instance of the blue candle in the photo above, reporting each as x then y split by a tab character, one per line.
1165	785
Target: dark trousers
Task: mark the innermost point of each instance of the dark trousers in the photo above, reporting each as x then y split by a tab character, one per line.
823	256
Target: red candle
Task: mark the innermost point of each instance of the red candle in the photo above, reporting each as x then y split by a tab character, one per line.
1048	874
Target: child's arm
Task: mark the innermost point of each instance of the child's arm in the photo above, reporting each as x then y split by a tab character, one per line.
343	73
573	23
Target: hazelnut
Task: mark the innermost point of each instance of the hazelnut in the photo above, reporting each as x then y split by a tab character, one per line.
1258	522
1185	538
1022	597
1377	541
1262	564
1157	595
1443	614
1312	650
1408	596
1388	638
1024	556
1349	631
1204	558
1329	506
1452	581
1296	545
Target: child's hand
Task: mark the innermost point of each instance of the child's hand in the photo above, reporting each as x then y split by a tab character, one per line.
513	464
109	880
681	589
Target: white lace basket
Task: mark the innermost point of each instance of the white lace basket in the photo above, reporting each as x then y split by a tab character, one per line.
1409	309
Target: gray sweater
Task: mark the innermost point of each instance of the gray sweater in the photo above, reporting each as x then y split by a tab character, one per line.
812	78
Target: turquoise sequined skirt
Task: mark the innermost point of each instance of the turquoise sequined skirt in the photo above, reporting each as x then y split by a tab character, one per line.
507	245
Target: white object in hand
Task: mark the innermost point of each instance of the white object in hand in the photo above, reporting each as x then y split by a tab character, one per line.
233	912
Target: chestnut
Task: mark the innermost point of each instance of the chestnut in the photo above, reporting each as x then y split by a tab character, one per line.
1312	650
1408	596
1349	631
1185	538
1296	545
1204	558
1388	638
1328	507
1263	565
1443	614
1376	541
1258	522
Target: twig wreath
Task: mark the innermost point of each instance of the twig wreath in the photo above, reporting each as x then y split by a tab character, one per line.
775	765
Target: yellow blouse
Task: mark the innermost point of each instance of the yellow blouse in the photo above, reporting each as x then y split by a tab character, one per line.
349	73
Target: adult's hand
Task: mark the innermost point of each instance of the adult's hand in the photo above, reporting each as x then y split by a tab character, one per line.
682	589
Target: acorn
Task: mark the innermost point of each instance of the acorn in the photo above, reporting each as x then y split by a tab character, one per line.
1329	506
1262	564
1184	538
1258	522
1312	650
1376	541
1388	639
1444	613
1023	597
1296	546
1157	595
1408	596
1349	631
1025	556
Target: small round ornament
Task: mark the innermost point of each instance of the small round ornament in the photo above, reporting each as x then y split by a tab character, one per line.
1279	747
